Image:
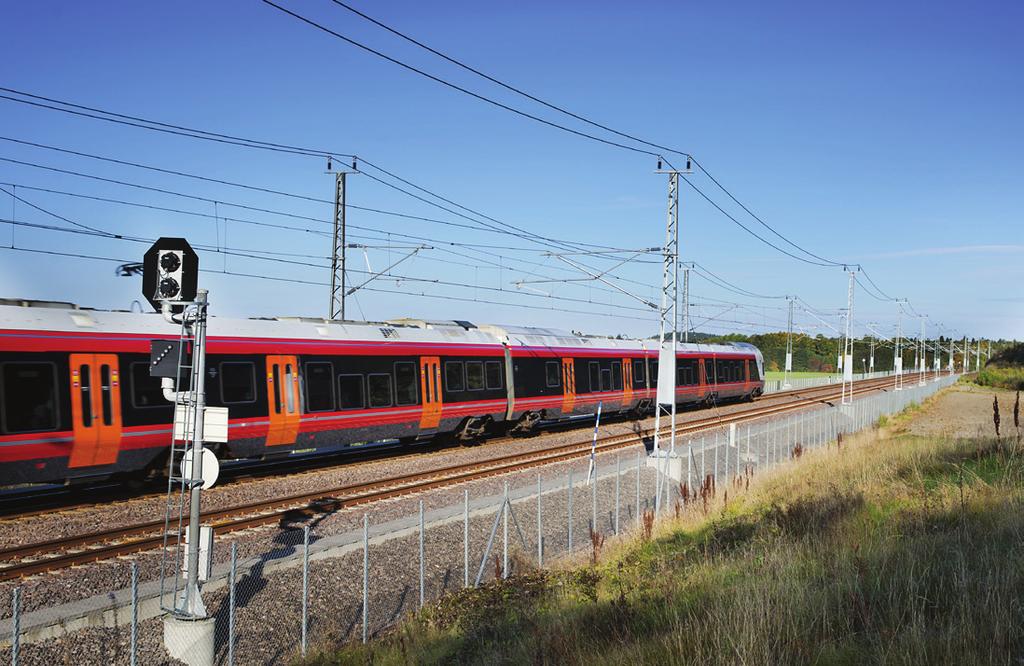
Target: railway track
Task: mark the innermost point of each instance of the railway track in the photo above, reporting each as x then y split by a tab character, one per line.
21	505
46	556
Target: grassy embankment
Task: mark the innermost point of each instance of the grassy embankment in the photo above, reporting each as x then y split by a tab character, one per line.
1004	370
894	549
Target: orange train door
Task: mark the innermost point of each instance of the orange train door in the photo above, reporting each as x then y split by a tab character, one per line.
703	378
95	409
430	389
627	382
568	385
283	400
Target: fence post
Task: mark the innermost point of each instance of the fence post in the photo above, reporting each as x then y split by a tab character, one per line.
133	647
305	586
703	469
639	463
689	464
366	575
465	538
422	583
540	528
716	457
15	625
231	603
504	533
618	472
748	445
570	511
593	501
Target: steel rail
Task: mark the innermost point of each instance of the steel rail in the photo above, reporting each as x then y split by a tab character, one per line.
65	552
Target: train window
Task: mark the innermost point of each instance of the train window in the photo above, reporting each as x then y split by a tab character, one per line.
754	377
277	388
606	379
680	373
146	391
654	373
238	382
474	375
638	372
405	383
350	391
289	384
692	375
319	386
551	374
616	376
454	378
379	390
105	406
709	371
492	370
28	397
595	377
85	384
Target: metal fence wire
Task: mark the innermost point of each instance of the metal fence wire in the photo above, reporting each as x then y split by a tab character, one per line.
314	587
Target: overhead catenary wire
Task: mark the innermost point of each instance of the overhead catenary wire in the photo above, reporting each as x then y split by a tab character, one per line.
449	84
136	121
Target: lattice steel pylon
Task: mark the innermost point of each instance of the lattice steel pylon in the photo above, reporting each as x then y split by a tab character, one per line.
897	358
337	309
668	312
337	306
847	391
789	345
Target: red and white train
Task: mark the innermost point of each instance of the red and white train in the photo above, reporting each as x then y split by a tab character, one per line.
77	401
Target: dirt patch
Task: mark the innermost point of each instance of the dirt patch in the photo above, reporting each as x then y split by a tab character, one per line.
964	410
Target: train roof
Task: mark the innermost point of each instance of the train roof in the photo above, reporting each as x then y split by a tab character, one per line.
50	316
19	314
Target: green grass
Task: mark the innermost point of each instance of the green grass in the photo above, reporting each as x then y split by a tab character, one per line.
904	550
775	375
1008	378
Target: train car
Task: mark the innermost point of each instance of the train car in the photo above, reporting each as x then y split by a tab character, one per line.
77	402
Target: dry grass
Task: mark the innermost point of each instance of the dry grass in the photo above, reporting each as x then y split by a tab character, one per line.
893	549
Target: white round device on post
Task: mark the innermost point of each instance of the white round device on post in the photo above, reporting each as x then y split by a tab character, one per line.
211	467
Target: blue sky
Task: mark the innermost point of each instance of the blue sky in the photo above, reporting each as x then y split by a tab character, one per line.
886	134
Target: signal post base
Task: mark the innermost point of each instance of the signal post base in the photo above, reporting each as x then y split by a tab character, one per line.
190	641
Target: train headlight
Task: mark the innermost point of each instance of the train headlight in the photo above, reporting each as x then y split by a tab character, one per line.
170	273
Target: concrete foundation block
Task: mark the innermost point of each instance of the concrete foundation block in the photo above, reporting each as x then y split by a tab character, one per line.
190	641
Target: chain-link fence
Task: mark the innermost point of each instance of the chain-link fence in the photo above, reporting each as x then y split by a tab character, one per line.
315	588
777	385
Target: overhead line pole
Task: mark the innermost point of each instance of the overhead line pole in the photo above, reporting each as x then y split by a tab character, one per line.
337	305
789	345
897	359
922	357
665	397
847	389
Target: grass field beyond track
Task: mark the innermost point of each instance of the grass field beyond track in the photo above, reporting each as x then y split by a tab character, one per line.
896	548
773	375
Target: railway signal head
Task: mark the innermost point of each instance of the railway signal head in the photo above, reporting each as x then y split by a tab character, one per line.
170	272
